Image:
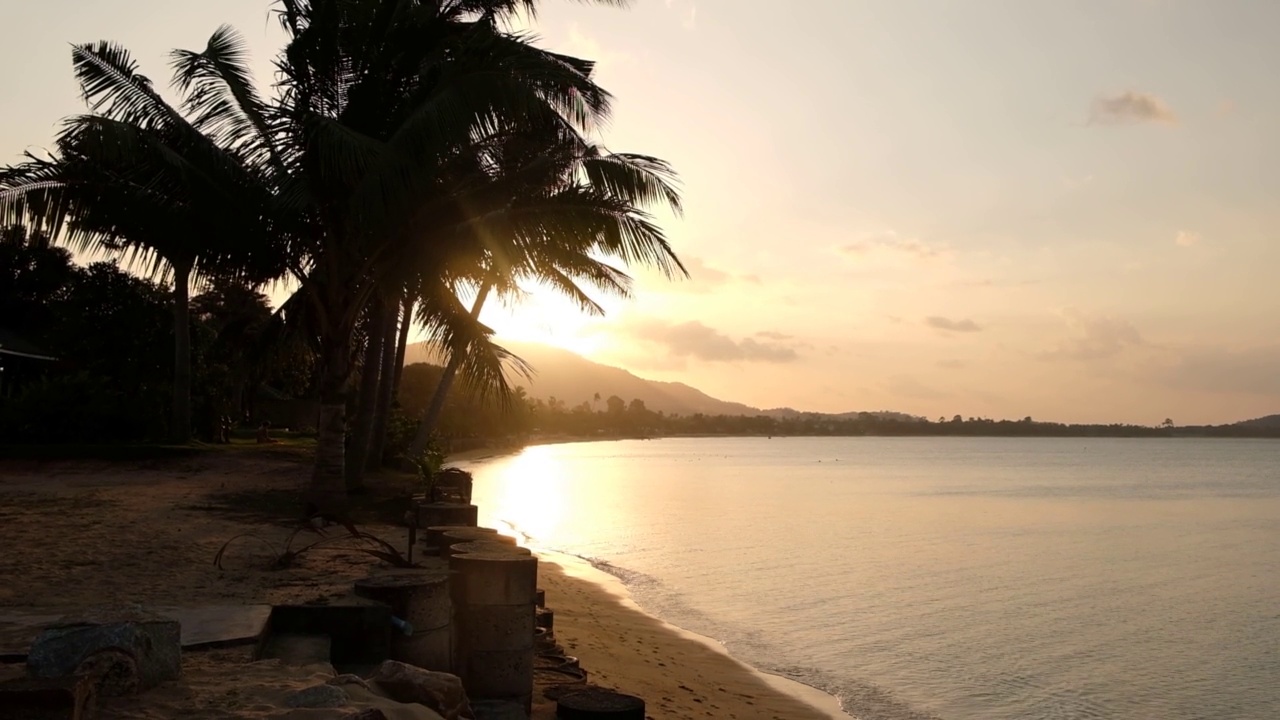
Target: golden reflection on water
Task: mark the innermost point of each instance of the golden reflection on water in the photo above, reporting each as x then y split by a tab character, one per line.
528	492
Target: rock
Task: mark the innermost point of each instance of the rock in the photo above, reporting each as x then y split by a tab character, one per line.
349	679
318	696
126	650
438	691
370	714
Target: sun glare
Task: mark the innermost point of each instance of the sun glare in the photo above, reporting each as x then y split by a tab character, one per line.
546	320
528	494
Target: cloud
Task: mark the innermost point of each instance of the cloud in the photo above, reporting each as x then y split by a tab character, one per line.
688	12
694	340
701	272
1186	238
909	387
949	325
890	242
994	283
1094	337
1247	371
704	278
1130	107
953	364
774	335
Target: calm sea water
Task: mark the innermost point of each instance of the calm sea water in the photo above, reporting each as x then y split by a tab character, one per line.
963	579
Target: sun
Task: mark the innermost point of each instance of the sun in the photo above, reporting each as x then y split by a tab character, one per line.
549	319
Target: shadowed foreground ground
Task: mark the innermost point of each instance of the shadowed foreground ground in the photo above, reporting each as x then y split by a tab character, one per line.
79	534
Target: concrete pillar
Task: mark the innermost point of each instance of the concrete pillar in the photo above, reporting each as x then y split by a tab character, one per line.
460	537
493	592
445	513
482	545
422	599
433	537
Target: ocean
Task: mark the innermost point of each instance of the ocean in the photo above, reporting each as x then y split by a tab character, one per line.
951	578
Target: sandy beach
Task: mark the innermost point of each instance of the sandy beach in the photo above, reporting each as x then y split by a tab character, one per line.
84	534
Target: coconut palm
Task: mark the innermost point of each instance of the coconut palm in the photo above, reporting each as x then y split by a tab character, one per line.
569	208
140	177
379	100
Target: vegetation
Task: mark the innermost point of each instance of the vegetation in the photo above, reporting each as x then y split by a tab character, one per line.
411	153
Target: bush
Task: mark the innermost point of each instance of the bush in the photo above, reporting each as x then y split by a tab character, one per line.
82	408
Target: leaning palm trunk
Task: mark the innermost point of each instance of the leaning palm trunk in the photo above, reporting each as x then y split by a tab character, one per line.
402	345
432	415
180	430
386	389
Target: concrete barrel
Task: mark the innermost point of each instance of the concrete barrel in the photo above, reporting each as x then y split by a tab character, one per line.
594	703
546	618
452	485
466	535
446	513
481	546
493	595
422	599
433	536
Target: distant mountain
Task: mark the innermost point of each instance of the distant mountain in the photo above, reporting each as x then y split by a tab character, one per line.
573	379
1270	422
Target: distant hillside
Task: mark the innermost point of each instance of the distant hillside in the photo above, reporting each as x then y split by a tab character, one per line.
573	379
1270	422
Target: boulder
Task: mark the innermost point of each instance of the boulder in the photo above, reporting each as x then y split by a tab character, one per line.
317	696
125	650
438	691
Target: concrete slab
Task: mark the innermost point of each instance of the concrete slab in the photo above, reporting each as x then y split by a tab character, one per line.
202	626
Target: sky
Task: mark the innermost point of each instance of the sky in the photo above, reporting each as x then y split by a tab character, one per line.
999	208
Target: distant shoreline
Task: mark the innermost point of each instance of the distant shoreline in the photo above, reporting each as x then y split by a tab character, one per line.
488	452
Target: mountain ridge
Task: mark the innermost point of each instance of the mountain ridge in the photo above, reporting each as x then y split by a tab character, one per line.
573	379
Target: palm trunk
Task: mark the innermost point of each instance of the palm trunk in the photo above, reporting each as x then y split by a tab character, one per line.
327	493
180	427
432	416
386	389
404	342
366	403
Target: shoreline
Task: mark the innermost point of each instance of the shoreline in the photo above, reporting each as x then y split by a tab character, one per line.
611	589
600	604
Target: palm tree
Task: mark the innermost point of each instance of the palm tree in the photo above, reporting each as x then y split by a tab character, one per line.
140	177
378	102
566	205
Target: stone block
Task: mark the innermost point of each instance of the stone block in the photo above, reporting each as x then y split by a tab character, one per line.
126	650
438	691
68	698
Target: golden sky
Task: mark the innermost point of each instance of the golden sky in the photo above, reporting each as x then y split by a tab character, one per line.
987	207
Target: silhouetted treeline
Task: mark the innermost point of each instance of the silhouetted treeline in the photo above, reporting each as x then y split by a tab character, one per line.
616	417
